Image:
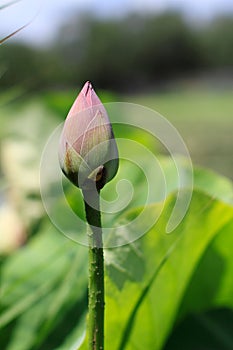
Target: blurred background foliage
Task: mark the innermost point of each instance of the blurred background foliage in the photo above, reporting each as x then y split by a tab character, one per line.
124	54
183	70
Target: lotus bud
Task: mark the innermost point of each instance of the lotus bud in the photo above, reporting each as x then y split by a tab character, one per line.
88	152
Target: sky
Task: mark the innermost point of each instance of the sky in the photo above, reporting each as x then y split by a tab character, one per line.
46	16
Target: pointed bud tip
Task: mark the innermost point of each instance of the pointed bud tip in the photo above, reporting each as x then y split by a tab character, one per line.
87	97
87	88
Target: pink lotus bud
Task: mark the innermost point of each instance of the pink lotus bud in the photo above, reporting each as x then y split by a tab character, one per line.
88	153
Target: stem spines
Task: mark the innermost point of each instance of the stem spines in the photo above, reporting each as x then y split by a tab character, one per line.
96	271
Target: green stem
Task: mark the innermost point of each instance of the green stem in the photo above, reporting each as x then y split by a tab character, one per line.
96	271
